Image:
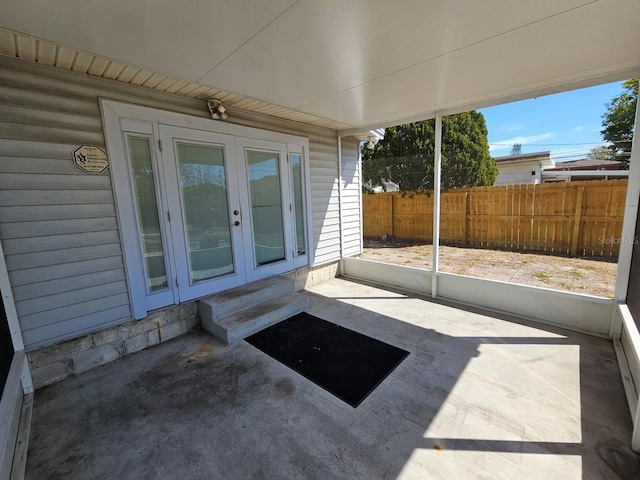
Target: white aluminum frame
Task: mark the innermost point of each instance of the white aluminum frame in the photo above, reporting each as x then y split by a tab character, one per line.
622	323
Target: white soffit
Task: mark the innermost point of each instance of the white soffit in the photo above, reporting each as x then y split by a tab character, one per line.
358	62
44	52
180	38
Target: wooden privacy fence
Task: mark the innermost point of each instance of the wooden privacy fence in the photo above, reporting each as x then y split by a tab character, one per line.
576	218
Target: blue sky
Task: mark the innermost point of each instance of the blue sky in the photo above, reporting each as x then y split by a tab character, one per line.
568	123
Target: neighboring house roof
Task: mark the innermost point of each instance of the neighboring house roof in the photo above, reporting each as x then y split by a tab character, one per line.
525	158
588	164
540	167
522	168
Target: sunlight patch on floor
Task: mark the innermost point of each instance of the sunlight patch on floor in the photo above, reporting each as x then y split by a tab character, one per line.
525	393
471	465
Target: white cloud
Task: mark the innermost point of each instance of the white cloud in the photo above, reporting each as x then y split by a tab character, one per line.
508	143
577	129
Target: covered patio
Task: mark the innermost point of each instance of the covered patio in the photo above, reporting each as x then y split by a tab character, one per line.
299	84
481	395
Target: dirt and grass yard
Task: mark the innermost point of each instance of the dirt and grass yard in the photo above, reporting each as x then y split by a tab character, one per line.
590	276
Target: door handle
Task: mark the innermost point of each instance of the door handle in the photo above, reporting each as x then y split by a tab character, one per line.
236	223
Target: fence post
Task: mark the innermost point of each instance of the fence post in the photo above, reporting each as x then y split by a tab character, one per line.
392	233
465	220
577	220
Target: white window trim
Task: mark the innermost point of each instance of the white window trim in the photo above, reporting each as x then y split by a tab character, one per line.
301	261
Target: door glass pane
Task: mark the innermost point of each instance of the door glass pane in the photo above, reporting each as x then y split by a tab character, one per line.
266	206
143	183
206	212
298	202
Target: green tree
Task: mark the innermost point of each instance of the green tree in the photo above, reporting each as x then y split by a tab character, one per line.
600	153
405	154
619	119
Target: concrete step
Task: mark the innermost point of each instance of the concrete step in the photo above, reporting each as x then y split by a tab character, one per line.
246	322
227	303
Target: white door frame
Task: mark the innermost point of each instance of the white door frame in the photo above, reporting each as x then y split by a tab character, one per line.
114	115
169	135
255	272
128	215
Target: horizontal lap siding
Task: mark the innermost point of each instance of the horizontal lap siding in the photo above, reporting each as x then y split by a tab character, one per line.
58	225
516	174
351	191
325	200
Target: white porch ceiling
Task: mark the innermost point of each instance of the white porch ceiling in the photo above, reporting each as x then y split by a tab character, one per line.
340	63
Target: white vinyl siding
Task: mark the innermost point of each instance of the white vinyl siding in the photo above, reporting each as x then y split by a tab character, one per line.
351	192
518	173
325	199
58	225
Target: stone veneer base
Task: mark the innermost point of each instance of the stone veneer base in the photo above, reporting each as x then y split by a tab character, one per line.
56	362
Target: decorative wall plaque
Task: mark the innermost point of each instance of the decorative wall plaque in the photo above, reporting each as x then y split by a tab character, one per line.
91	159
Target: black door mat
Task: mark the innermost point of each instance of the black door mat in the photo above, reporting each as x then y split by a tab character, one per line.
347	364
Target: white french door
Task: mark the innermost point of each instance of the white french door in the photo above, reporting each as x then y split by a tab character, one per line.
208	211
204	206
266	206
147	243
201	187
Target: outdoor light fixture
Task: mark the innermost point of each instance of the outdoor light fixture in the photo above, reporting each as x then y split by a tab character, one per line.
218	111
373	141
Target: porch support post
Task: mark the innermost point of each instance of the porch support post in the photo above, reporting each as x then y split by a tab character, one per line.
627	240
340	207
437	174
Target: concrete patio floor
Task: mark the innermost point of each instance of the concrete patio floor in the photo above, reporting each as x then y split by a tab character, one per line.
478	397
